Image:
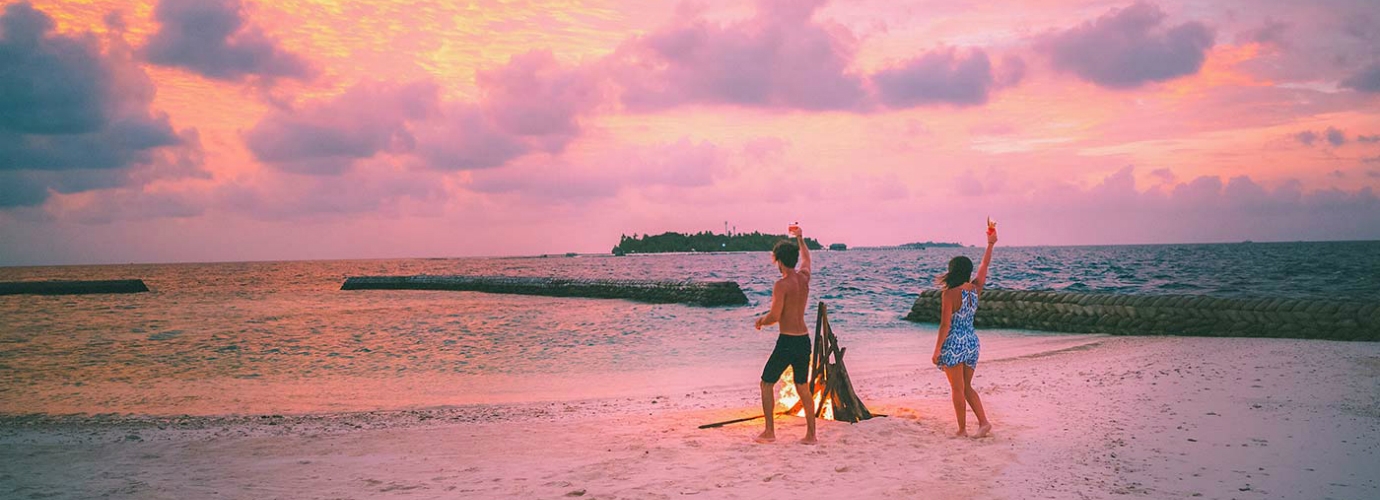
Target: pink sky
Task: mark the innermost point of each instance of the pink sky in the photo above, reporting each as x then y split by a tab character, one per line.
209	130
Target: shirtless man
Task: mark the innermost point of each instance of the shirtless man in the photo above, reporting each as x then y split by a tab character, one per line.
788	300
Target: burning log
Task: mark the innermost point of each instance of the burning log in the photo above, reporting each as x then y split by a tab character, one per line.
833	390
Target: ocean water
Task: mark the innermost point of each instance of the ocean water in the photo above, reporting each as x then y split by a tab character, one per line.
280	337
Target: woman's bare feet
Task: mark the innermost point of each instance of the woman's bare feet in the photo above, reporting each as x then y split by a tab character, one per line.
808	439
961	433
765	437
984	430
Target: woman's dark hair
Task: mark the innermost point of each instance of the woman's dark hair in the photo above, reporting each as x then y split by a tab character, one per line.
786	252
960	272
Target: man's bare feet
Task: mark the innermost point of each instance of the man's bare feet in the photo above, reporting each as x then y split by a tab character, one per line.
984	430
765	437
808	439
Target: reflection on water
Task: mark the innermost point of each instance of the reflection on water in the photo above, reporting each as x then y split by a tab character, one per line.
281	336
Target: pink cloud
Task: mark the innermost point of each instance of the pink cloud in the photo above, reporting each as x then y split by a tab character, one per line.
1129	47
1271	32
779	58
212	38
680	165
371	188
531	104
943	76
327	137
1205	209
533	95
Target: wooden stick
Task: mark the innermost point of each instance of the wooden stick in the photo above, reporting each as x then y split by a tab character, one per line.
734	421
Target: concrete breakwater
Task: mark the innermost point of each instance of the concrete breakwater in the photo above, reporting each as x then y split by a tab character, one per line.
71	287
700	293
1166	315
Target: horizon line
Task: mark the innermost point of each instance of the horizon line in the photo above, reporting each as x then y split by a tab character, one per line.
609	254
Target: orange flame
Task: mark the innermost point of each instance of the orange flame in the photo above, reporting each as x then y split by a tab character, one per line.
789	397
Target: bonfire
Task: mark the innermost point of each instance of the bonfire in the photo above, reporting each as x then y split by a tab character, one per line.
833	391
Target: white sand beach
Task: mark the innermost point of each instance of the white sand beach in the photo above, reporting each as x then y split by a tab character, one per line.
1151	417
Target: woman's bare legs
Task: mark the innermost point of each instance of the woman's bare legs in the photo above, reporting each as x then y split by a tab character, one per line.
960	391
971	395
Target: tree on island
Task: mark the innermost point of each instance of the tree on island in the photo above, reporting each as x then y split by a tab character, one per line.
703	241
922	246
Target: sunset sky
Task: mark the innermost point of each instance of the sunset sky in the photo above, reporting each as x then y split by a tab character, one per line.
221	130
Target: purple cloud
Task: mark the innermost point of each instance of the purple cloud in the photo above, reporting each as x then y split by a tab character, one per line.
531	104
328	137
941	76
967	184
683	164
1334	137
211	38
1366	79
1164	175
1307	137
74	117
467	138
779	58
534	95
1206	208
124	204
51	83
366	189
1272	32
1129	47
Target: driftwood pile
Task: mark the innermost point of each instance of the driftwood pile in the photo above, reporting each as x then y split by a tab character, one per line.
699	293
1166	315
830	378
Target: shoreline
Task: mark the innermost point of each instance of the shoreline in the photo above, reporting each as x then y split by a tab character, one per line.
699	386
1149	416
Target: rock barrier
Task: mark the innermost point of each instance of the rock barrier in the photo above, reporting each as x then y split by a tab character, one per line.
1166	315
71	287
699	293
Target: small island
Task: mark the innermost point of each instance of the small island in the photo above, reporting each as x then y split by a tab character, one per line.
915	246
704	241
929	244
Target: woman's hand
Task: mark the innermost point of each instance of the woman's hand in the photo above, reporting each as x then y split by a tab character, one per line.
992	237
935	359
757	323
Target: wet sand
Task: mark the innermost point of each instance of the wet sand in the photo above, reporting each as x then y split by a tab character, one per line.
1153	417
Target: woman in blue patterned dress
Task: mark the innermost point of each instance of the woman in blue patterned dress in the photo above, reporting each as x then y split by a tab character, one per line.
956	350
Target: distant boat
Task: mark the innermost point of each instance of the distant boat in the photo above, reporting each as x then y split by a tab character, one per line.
838	247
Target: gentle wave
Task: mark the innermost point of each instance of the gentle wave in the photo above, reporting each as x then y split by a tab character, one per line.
273	328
